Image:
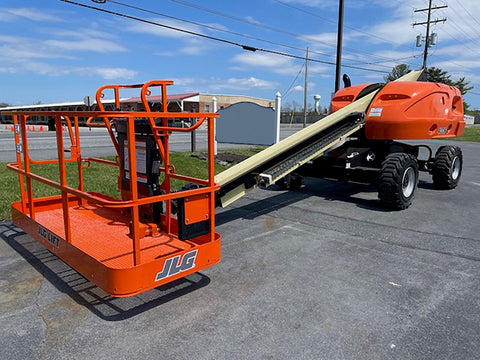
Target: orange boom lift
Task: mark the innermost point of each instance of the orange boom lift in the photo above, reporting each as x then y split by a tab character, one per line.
128	245
153	235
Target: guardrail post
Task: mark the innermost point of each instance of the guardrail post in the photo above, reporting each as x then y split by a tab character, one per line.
278	113
214	110
63	178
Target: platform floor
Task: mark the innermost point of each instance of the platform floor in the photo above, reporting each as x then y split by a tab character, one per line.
104	234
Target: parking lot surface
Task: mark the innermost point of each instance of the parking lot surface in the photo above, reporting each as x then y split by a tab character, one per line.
319	273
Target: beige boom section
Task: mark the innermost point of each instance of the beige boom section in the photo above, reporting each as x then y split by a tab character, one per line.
268	166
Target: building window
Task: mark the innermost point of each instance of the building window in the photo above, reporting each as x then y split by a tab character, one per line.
207	108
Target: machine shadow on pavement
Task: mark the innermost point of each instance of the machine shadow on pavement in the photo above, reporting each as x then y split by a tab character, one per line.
68	281
327	189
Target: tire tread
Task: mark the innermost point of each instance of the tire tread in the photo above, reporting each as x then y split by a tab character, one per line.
389	189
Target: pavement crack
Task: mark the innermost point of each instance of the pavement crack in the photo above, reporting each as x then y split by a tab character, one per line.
41	316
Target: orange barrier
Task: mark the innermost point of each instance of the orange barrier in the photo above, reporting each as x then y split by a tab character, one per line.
11	128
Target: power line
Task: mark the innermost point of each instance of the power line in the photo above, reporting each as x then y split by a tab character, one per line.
253	37
468	12
334	22
428	22
271	28
467	46
243	46
393	60
212	27
293	82
459	28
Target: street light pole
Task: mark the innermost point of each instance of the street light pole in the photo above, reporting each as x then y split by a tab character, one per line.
339	45
305	92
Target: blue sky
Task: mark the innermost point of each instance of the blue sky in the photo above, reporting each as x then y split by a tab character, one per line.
54	51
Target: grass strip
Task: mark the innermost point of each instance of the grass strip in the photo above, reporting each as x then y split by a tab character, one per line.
98	177
471	133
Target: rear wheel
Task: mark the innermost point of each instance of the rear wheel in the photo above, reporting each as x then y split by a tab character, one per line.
398	181
447	167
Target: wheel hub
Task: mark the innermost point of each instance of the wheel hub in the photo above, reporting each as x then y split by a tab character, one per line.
408	182
455	170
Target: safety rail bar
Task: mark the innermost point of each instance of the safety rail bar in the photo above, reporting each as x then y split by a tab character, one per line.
116	203
159	132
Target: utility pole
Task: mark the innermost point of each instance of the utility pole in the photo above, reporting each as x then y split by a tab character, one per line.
305	92
339	45
428	41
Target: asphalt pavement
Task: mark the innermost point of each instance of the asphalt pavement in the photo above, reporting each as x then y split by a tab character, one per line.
319	273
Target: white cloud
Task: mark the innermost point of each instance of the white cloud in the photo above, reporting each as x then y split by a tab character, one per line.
17	48
216	25
151	29
33	14
21	55
317	69
327	39
271	62
398	31
462	22
84	33
185	82
36	67
246	83
112	73
191	84
95	45
314	3
261	59
298	88
191	45
457	65
8	69
278	64
251	20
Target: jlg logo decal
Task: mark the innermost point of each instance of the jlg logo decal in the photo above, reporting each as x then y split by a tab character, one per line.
174	266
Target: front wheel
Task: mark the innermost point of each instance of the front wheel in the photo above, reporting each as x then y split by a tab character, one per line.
447	167
290	182
398	181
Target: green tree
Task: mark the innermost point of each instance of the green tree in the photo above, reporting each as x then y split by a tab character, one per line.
435	74
438	75
397	71
3	104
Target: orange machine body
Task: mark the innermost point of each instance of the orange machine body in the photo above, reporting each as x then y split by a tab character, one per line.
345	96
409	110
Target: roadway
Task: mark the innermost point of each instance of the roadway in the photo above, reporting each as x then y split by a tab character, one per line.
319	273
97	142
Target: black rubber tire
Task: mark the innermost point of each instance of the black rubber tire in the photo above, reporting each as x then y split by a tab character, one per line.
290	182
398	181
447	167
